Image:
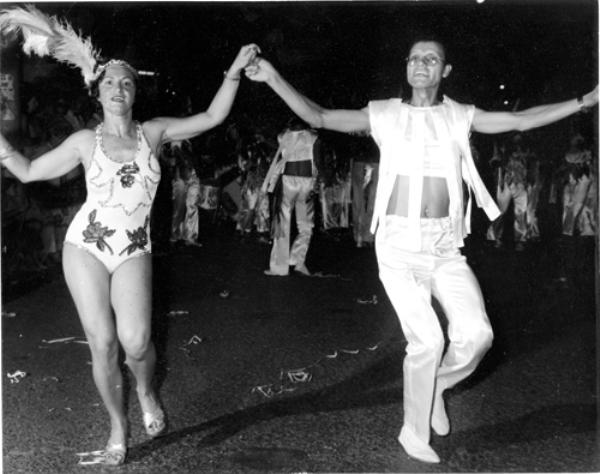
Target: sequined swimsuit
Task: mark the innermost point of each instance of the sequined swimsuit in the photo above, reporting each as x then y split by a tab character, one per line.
113	223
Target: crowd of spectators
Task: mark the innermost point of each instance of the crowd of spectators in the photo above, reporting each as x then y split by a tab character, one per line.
213	184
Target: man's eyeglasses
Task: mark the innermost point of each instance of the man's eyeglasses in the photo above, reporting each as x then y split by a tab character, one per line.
429	60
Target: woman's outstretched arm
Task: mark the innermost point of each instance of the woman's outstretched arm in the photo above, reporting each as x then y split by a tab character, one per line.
51	164
172	128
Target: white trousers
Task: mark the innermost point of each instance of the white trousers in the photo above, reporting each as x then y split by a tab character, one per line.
296	195
518	194
410	279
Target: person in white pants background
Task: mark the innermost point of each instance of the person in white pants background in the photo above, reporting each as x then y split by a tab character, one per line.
298	149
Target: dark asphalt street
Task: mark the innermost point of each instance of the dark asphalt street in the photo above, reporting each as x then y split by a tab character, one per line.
301	374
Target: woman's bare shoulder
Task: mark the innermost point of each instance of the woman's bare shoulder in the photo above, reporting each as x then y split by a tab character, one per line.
154	130
85	135
83	141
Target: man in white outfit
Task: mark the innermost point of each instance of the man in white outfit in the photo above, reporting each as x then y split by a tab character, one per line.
295	160
420	221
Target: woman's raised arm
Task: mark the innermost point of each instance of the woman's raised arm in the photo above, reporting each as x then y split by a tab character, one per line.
172	128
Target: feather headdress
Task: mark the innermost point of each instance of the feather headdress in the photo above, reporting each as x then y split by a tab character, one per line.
48	36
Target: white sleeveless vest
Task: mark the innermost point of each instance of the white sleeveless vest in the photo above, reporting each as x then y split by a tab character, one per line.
399	130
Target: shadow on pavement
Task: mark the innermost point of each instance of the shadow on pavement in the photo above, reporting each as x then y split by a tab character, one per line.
350	393
465	449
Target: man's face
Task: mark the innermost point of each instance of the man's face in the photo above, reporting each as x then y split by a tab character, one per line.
426	65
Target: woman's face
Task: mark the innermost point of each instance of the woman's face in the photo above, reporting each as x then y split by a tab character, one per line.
116	90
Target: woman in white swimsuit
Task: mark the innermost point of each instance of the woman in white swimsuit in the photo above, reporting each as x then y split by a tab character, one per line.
106	259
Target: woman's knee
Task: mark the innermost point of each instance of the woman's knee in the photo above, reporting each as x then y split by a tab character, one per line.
103	346
135	344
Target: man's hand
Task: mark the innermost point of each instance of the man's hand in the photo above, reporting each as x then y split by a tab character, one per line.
260	70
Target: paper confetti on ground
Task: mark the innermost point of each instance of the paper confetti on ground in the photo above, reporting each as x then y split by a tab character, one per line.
288	378
55	341
329	275
16	376
178	312
65	340
195	339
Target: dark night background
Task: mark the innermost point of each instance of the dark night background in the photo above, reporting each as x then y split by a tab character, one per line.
342	54
532	405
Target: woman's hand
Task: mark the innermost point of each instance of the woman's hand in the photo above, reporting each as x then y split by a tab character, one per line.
260	70
246	56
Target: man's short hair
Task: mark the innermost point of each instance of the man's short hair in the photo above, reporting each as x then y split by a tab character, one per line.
431	37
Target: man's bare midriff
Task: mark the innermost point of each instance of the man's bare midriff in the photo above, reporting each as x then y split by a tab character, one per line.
435	199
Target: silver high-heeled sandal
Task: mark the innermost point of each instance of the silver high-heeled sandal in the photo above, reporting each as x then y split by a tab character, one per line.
113	455
155	423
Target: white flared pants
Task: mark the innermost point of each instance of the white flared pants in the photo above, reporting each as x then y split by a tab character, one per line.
410	279
296	195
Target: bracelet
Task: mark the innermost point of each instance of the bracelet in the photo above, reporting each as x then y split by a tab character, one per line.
582	107
227	76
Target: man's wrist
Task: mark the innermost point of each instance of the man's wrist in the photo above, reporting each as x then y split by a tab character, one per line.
273	79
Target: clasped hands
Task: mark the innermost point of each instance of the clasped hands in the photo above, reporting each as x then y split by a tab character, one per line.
255	67
259	69
247	56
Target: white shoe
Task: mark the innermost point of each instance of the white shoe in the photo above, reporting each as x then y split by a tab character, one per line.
272	273
416	448
302	270
440	423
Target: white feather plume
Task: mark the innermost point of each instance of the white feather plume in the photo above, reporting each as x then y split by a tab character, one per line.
79	52
35	26
47	36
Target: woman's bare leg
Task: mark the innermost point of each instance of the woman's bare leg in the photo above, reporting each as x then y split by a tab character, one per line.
131	297
88	281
